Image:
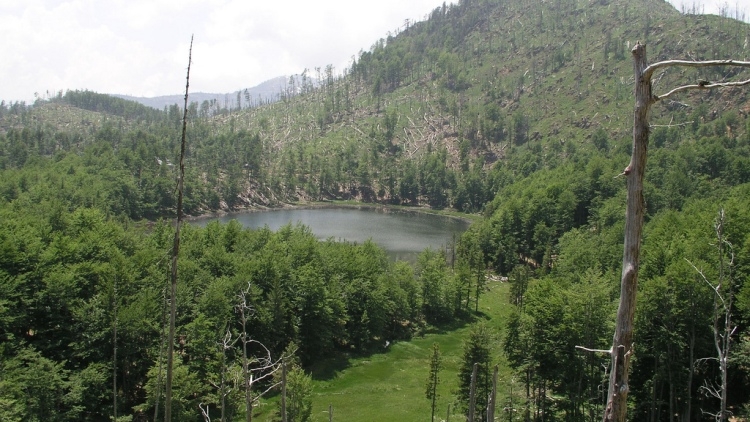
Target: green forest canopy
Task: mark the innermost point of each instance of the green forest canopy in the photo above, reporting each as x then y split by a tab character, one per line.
518	110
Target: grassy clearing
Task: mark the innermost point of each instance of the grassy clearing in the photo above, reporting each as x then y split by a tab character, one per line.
390	386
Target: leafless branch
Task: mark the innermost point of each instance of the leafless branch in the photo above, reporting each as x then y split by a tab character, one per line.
254	368
674	124
204	412
710	390
714	288
723	331
649	70
622	344
700	86
263	393
586	349
714	415
227	342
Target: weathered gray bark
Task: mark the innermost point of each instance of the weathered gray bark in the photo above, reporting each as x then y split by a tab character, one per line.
622	344
226	344
723	330
114	348
176	251
492	398
255	368
472	394
723	327
283	391
161	355
248	376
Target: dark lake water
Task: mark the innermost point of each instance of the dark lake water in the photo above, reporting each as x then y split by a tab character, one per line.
402	234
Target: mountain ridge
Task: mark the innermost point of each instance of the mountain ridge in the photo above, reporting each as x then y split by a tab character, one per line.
263	93
479	86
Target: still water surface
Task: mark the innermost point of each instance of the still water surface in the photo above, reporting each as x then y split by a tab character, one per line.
402	234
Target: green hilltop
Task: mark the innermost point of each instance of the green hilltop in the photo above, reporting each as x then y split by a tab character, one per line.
478	88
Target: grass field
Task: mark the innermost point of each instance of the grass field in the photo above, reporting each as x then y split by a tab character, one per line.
390	386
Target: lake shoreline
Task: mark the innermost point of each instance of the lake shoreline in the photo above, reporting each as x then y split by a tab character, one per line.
470	218
402	233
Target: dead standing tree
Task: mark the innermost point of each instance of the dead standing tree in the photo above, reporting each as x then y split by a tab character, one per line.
176	252
255	369
723	327
622	344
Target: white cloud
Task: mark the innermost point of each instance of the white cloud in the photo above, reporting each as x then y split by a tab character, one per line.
714	7
140	47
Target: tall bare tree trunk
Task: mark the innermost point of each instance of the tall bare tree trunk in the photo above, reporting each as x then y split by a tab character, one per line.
527	410
246	369
622	344
283	391
723	328
493	397
114	348
175	252
473	394
161	353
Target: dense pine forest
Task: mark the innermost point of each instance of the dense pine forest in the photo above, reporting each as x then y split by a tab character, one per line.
517	111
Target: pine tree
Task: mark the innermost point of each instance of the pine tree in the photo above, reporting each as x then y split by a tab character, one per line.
476	350
433	379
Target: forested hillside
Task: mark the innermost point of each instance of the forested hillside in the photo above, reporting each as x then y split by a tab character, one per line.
518	110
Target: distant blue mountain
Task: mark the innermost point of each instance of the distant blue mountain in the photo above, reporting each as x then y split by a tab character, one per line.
266	92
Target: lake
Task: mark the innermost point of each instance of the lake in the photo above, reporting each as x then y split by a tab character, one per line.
403	234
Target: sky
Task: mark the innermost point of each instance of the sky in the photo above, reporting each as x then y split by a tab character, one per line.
140	47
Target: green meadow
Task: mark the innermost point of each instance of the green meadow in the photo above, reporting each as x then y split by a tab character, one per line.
390	386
